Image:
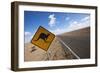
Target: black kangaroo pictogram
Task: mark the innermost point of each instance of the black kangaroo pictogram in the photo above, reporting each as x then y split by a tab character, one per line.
43	36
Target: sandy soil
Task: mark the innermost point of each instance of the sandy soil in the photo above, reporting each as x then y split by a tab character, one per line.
55	52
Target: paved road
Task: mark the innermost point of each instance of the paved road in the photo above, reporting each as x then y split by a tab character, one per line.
79	45
66	48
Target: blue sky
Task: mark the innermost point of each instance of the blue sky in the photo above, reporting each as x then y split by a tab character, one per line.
56	22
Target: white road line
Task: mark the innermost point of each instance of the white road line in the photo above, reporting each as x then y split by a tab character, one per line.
69	49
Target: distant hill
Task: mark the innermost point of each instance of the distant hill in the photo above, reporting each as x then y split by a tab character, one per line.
80	32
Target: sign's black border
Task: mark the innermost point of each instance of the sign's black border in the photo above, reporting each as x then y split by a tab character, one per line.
15	33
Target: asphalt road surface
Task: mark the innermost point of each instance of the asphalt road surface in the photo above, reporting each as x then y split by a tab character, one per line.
78	41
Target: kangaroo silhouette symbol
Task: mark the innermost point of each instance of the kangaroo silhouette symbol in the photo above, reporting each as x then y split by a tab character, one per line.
43	36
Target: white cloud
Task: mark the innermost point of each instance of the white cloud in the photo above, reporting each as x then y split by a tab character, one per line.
27	33
27	39
73	25
28	36
58	31
52	20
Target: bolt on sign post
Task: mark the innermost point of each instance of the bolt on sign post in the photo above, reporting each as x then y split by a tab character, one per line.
43	38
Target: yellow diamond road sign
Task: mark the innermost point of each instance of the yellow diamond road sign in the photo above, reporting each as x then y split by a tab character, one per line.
43	38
